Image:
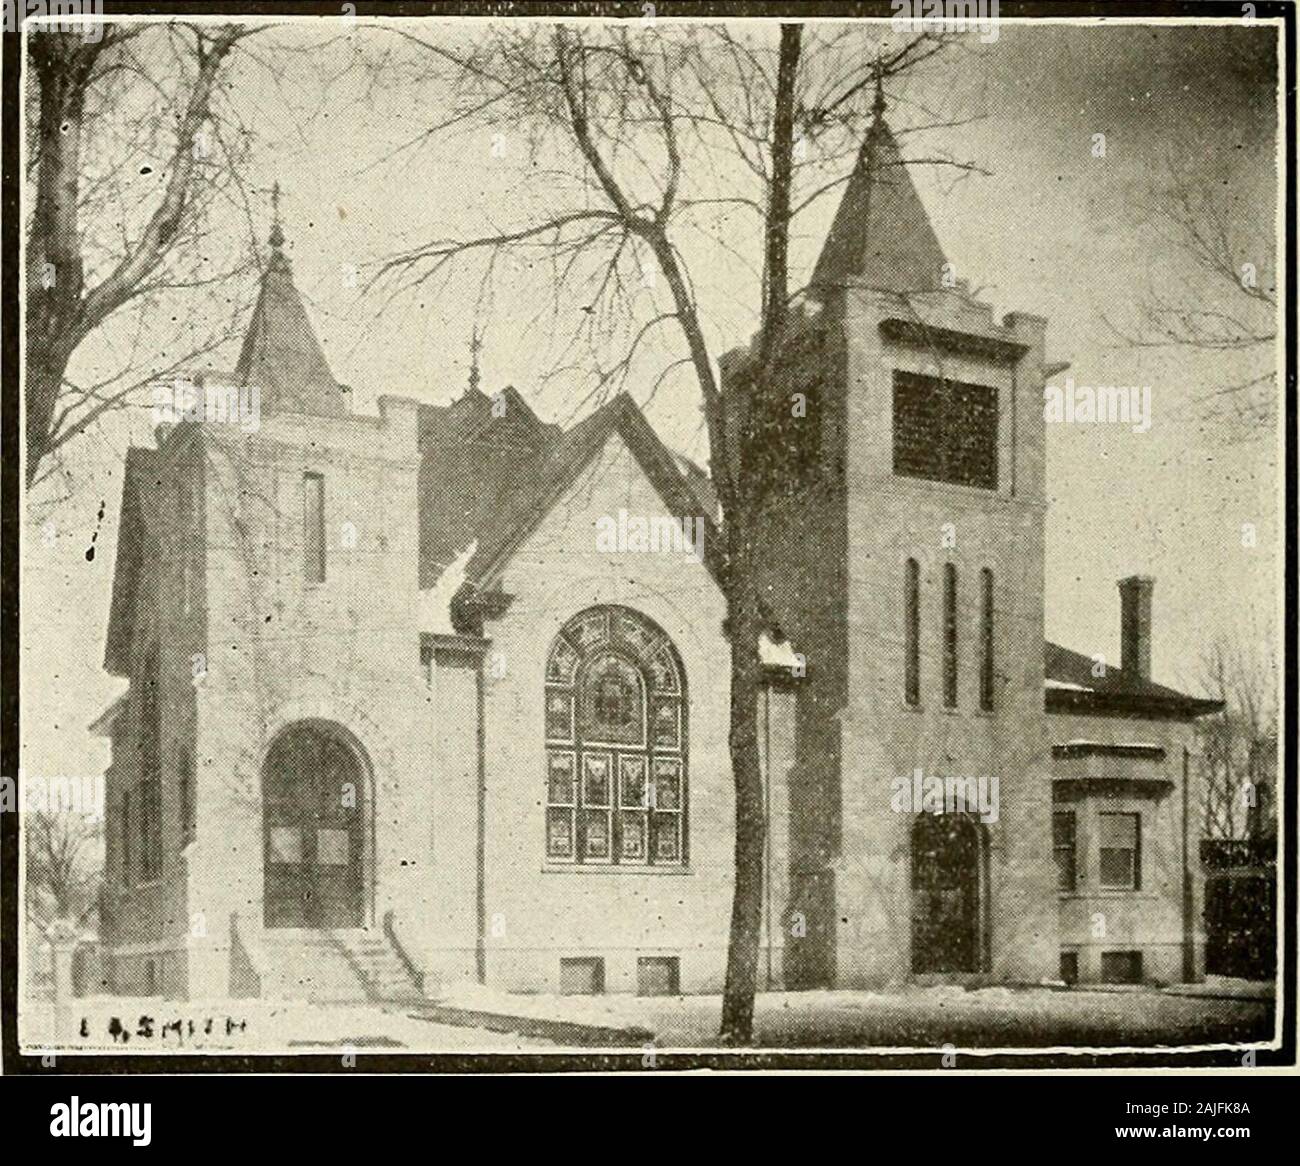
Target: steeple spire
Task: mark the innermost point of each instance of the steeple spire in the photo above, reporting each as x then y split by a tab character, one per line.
475	345
281	354
881	237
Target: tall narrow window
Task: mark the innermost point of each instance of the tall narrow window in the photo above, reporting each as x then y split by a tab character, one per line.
986	640
1063	847
150	787
127	827
950	636
912	633
185	767
313	527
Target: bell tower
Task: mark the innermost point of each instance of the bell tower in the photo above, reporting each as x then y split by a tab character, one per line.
915	589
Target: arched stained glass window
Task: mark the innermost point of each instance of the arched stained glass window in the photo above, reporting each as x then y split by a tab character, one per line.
615	742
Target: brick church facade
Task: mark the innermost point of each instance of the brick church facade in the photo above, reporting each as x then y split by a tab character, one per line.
397	718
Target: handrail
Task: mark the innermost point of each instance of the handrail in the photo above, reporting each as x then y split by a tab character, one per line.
390	933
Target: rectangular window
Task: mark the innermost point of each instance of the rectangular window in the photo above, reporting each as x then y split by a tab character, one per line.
658	975
1121	967
986	640
912	633
582	976
950	636
313	527
1120	857
1063	847
1070	967
945	431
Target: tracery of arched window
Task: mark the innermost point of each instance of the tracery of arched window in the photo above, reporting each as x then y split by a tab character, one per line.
615	742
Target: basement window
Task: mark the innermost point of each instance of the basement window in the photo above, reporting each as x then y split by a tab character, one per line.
582	976
658	975
1121	967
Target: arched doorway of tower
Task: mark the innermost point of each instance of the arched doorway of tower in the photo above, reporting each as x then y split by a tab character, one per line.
314	807
947	893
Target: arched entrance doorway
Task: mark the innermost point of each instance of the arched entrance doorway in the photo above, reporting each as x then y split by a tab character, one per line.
947	890
313	806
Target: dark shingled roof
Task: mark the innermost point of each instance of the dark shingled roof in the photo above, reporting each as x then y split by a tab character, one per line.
881	235
1115	692
281	355
493	479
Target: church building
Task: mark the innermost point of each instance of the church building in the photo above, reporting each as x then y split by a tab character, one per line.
398	716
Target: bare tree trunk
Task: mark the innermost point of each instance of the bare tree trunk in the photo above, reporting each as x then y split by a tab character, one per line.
745	618
747	902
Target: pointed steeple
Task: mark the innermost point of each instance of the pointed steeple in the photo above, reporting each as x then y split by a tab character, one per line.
281	355
881	236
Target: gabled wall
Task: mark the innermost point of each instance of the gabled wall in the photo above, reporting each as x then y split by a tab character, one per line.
537	912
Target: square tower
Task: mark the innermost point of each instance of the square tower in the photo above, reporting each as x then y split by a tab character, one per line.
920	797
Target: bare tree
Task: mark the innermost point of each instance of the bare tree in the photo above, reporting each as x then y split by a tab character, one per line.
641	119
62	852
1228	308
1238	747
94	246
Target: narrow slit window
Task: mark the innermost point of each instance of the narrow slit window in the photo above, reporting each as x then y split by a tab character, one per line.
127	826
950	636
188	801
986	640
912	633
313	493
1063	848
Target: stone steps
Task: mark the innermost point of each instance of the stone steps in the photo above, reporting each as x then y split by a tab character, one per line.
353	966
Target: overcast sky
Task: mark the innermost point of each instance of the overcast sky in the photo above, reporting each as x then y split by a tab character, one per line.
1052	230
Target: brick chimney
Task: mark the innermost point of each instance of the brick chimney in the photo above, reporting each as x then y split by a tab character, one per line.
1135	626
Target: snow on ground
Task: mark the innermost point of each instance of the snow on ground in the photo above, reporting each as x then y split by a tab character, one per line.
268	1027
928	1018
915	1017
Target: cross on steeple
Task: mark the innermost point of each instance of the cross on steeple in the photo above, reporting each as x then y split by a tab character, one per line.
475	346
878	106
277	232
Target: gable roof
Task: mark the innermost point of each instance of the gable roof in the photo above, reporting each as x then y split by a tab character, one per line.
495	486
881	235
281	354
1072	687
140	480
